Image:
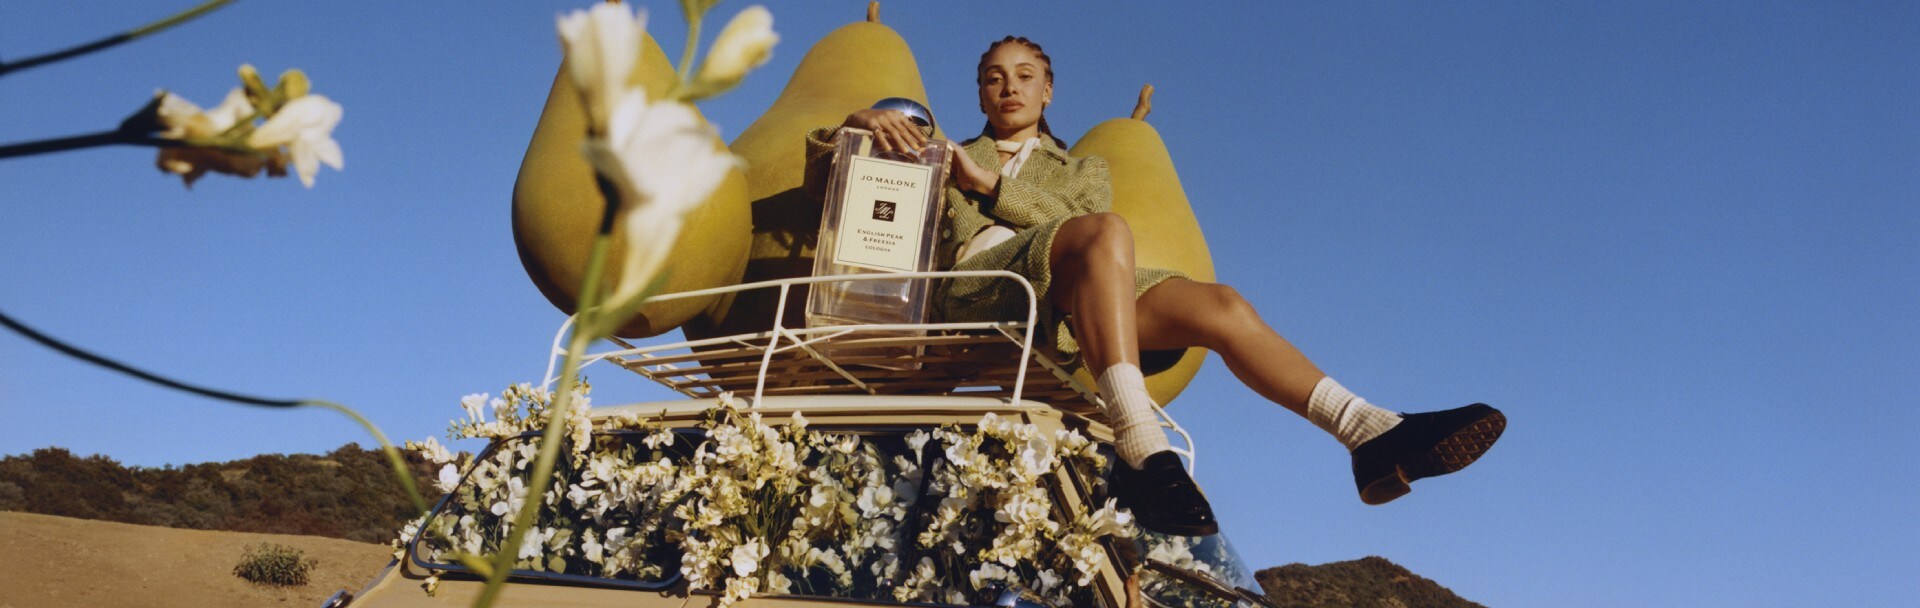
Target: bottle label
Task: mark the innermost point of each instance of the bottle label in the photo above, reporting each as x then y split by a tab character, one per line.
882	216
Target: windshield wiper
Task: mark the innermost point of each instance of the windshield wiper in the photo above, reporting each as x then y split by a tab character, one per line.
1207	582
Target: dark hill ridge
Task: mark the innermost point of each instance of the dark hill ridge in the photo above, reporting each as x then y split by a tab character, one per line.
350	493
1369	582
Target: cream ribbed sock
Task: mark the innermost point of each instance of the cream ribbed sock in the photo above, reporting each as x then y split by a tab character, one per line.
1136	431
1349	418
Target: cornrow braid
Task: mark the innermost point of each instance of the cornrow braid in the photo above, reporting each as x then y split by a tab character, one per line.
979	77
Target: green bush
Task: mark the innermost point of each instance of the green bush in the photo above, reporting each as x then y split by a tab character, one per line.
275	565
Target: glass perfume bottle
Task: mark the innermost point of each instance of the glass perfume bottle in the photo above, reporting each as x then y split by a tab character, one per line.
881	215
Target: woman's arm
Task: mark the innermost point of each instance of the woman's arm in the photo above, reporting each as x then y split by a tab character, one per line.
1083	187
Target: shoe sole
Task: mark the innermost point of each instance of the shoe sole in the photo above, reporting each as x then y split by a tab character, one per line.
1451	454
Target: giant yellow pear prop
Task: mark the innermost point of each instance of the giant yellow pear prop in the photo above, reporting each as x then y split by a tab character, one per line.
849	69
1147	192
557	209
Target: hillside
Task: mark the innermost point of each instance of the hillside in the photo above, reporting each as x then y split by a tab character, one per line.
1369	582
348	493
59	561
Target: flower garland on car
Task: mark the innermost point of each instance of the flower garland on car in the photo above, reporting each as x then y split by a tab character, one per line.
741	507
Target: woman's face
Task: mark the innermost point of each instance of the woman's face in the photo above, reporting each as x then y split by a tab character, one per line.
1014	88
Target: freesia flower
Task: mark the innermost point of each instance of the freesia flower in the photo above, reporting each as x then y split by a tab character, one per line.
431	450
746	557
666	163
183	121
449	478
590	547
475	405
305	127
602	45
535	542
746	43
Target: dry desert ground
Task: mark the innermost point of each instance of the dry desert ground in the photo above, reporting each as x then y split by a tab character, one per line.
59	561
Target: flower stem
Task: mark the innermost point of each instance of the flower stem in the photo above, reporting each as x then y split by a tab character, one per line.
114	40
687	56
90	140
393	455
577	343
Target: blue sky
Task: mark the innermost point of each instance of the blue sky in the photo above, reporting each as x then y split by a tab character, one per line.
1675	242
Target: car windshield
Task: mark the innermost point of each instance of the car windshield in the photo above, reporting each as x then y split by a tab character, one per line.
889	514
1196	572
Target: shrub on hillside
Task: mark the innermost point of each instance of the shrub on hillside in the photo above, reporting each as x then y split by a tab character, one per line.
275	565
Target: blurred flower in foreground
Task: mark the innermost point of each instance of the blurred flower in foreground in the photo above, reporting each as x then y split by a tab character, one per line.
746	43
665	162
181	120
305	127
602	44
298	127
662	158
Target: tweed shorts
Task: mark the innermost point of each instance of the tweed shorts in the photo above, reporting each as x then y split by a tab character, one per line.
997	299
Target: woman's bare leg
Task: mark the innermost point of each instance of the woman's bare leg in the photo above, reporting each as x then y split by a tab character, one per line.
1092	261
1093	273
1179	313
1093	279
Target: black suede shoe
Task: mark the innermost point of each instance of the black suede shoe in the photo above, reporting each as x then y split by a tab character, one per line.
1421	446
1163	497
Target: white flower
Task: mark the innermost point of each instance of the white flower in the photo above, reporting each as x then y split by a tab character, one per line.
666	163
535	542
590	547
602	45
873	499
305	127
474	405
746	558
183	121
1048	581
449	478
746	43
502	409
432	451
987	573
516	496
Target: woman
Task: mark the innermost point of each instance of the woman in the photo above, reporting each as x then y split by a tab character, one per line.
1018	202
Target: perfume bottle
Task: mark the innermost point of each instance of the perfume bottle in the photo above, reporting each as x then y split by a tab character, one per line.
881	215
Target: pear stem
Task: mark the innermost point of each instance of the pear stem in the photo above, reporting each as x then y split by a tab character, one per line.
1145	105
873	11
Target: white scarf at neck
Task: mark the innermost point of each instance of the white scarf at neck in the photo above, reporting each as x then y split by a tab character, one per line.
996	234
1020	151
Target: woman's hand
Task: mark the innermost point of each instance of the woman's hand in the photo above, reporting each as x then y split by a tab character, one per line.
969	175
891	129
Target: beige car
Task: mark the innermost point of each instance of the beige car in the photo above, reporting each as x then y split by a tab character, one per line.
819	467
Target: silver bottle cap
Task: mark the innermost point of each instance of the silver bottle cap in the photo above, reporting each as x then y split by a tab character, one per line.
918	113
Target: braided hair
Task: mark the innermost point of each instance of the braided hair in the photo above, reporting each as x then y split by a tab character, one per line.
979	77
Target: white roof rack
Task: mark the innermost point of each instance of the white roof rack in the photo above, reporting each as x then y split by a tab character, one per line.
977	359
